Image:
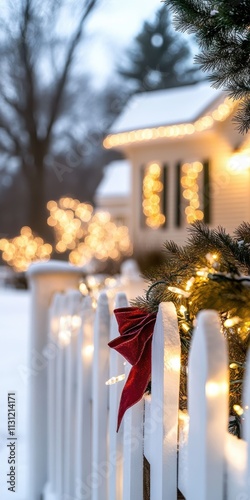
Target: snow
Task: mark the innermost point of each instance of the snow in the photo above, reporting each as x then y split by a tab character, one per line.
166	107
116	180
53	266
14	330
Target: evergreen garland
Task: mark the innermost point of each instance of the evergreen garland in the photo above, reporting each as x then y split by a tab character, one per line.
223	34
212	271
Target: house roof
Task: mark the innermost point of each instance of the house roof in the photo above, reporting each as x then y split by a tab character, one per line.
116	180
169	113
166	107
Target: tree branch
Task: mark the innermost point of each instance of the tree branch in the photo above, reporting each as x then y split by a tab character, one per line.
29	108
68	62
15	140
14	104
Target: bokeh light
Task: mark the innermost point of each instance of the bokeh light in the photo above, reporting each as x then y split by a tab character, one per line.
87	234
25	248
152	189
190	191
220	114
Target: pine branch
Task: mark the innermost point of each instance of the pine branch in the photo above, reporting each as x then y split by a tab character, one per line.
242	232
222	30
242	116
206	274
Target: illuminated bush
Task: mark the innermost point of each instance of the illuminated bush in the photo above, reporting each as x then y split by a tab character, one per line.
86	234
25	248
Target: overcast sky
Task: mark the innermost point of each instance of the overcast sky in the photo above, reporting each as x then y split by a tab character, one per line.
113	27
123	18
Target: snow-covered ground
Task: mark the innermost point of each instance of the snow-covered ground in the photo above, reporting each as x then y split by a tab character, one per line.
14	331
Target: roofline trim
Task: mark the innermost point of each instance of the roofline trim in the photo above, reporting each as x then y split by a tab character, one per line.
220	114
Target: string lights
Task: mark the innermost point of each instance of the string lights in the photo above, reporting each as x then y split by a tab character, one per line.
69	219
152	189
220	114
103	240
187	321
191	188
86	234
212	271
25	248
114	380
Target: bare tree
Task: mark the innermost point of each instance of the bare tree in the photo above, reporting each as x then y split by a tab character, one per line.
42	93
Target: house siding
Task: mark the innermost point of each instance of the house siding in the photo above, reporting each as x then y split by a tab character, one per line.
229	193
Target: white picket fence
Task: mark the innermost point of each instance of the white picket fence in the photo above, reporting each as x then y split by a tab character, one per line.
88	460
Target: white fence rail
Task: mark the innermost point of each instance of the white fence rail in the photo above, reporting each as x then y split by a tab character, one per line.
88	460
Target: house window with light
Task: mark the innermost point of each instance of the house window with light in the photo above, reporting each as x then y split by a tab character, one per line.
193	201
154	195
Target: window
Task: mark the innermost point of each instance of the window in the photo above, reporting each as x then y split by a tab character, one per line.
154	183
192	193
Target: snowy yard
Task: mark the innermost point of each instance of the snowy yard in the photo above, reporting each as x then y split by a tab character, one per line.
14	330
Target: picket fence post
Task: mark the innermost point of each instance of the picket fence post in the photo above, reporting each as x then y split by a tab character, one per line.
84	368
161	424
208	409
45	279
75	300
55	312
133	450
116	368
100	466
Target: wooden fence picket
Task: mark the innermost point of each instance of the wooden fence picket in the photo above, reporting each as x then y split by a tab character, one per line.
161	436
235	469
99	474
74	307
85	349
59	409
116	367
208	409
54	319
237	451
133	450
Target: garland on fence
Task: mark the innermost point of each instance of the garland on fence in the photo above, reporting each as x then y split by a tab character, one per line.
212	271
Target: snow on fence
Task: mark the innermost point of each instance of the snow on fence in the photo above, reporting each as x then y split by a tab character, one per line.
87	459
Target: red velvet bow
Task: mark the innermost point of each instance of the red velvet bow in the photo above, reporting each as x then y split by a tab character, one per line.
136	330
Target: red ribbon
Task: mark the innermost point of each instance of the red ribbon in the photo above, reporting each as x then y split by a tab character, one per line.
136	330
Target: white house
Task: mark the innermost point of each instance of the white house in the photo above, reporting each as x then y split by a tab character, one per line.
182	146
114	192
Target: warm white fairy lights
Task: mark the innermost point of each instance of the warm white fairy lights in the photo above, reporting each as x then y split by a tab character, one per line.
86	234
69	219
190	191
114	380
216	389
103	240
230	322
238	409
220	114
68	327
179	291
239	161
152	189
25	248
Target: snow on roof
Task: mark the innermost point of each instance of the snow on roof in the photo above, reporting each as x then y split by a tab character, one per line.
116	180
166	107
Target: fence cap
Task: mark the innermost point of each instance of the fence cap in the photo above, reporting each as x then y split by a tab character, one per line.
53	267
